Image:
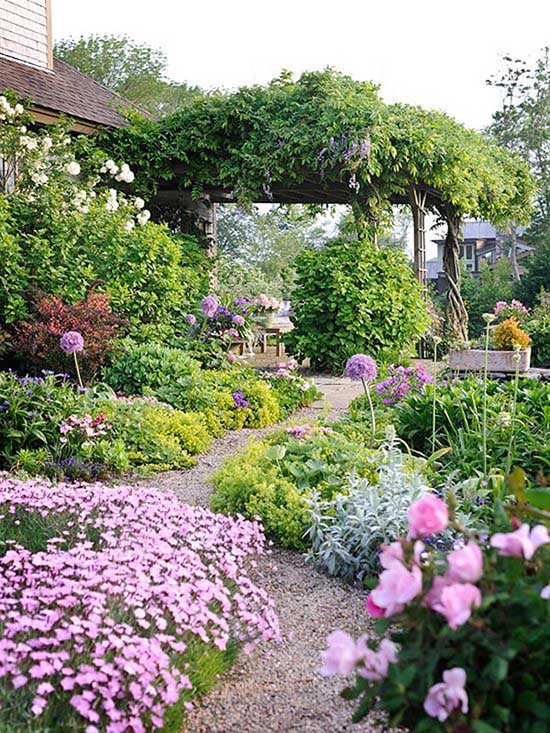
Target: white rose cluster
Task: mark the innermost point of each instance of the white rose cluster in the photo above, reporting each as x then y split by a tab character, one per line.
121	173
7	112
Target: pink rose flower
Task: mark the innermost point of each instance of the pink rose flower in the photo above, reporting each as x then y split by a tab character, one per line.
397	587
456	602
341	656
466	564
374	665
523	542
374	610
390	554
433	596
442	699
427	516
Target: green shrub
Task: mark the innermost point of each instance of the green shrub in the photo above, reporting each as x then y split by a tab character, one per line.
481	293
459	425
351	298
35	412
538	327
273	479
156	436
142	271
159	370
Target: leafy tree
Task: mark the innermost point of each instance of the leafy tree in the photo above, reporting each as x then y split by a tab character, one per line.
135	71
537	275
393	234
481	293
523	125
263	246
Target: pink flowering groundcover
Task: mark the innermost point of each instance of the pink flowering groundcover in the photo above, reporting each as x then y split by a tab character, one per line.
117	604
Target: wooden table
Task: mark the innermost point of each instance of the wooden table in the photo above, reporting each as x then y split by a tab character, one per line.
264	335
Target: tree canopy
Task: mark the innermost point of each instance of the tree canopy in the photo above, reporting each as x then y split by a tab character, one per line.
135	71
522	124
327	137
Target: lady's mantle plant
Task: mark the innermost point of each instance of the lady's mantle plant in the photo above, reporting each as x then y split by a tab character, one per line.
467	651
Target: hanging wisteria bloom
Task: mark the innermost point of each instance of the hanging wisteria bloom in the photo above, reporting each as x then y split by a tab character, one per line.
209	306
71	342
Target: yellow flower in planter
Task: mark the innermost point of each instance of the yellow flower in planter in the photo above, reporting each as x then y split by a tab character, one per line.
508	334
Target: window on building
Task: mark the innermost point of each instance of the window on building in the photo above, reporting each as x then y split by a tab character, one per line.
468	255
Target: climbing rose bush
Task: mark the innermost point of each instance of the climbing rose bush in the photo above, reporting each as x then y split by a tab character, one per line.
103	592
466	634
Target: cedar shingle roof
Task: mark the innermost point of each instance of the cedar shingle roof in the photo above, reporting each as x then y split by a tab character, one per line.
66	90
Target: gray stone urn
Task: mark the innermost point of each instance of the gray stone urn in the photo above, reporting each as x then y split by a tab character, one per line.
470	360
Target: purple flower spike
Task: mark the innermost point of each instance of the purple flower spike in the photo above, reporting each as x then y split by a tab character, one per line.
361	366
71	342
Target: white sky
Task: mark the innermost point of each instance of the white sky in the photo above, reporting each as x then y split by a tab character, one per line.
435	53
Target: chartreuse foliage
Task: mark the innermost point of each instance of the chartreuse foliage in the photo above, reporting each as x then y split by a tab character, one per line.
176	412
350	298
274	479
331	128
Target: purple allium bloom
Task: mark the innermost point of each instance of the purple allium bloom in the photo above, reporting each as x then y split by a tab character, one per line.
240	400
361	366
232	332
190	319
209	306
71	342
238	320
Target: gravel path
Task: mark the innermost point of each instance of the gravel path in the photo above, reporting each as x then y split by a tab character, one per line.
277	688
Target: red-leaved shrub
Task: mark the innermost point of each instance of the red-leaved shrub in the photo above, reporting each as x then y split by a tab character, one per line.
36	340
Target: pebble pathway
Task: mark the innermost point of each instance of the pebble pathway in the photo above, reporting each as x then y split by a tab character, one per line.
278	688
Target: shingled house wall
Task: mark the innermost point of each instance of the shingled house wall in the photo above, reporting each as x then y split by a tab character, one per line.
25	31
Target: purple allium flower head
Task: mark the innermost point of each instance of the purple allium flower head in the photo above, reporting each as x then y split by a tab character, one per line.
190	319
361	366
71	342
232	332
209	306
238	320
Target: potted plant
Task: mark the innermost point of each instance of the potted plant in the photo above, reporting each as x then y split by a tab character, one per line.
507	346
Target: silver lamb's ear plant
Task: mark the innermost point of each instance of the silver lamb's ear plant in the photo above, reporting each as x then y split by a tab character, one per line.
346	533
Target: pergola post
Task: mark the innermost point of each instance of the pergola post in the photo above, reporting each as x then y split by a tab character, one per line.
186	214
457	315
417	200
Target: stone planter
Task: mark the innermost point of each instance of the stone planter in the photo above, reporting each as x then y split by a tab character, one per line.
468	360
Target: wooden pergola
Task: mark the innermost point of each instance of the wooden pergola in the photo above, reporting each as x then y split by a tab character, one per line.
421	200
